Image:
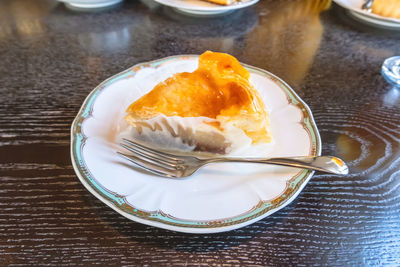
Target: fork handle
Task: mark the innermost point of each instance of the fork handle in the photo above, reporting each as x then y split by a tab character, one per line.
327	164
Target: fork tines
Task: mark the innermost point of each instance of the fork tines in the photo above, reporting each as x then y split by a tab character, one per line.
158	162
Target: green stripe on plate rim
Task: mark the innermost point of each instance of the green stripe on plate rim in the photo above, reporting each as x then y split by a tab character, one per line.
295	184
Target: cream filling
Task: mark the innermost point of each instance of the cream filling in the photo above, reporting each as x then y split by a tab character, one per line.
190	134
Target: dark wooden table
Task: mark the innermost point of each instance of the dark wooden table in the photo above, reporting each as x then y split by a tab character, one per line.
52	57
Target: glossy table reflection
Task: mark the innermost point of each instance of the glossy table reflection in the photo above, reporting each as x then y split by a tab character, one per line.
52	57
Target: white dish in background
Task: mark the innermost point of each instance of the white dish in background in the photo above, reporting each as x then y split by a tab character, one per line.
219	197
199	7
89	4
354	8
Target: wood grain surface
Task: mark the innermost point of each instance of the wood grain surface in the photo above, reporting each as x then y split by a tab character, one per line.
52	57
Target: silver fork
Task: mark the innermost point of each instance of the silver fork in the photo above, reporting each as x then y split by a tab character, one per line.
177	166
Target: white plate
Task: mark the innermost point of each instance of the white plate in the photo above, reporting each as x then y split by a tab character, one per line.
88	4
218	197
354	7
199	7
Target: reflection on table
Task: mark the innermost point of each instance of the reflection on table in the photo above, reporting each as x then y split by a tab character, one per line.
290	33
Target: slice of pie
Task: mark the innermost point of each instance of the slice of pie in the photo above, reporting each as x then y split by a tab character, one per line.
226	2
213	109
387	8
222	2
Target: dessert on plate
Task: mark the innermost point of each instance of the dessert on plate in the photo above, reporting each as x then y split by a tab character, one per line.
226	2
386	8
213	109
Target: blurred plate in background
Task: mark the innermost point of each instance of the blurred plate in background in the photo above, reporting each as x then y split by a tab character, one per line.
354	8
200	7
86	4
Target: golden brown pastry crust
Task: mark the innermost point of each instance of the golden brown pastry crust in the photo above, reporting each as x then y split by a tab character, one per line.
387	8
